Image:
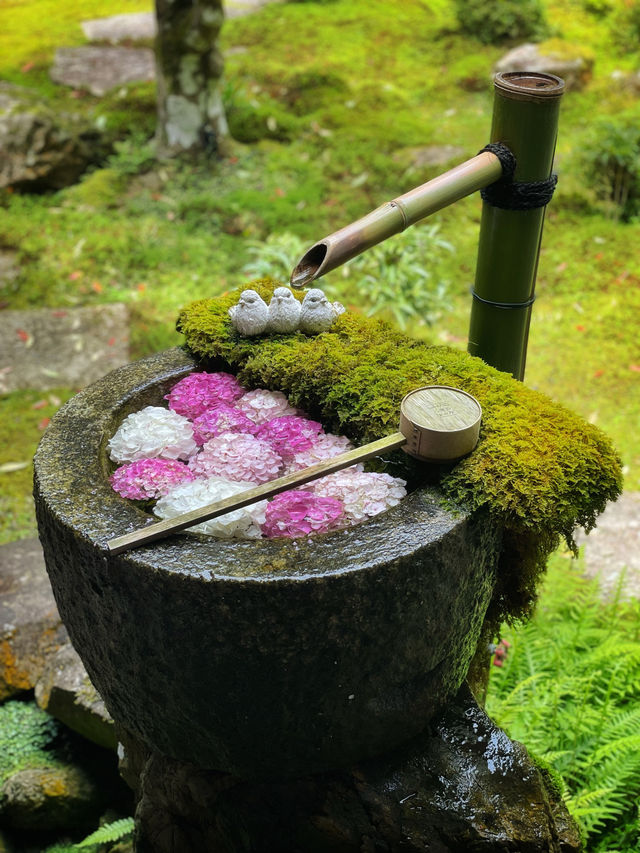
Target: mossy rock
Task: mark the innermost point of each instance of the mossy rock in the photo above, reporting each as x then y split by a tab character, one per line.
539	469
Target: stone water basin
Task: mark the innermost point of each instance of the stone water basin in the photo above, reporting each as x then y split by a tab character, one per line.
267	658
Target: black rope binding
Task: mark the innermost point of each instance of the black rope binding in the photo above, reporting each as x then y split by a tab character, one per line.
508	305
508	194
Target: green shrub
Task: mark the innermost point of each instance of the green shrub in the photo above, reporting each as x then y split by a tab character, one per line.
569	689
612	161
625	25
502	20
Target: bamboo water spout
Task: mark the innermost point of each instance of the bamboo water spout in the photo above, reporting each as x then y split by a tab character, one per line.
396	215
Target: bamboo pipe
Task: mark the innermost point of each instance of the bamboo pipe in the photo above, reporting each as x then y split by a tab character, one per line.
437	424
525	119
396	215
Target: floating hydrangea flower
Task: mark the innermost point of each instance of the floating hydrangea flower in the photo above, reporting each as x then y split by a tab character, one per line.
152	432
289	434
242	523
325	446
239	457
262	405
149	478
222	418
362	493
195	393
299	513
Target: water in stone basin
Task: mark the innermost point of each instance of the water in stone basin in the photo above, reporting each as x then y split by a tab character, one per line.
217	439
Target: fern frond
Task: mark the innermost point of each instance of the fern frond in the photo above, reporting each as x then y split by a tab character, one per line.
109	832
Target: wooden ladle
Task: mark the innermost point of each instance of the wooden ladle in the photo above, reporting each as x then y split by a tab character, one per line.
437	424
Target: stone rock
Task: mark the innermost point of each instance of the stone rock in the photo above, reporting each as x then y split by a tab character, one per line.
100	69
45	798
65	691
574	65
30	626
41	149
9	267
630	82
462	785
260	658
47	348
135	26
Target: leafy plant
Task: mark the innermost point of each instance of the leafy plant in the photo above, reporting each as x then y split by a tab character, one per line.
612	157
114	831
569	689
503	20
274	257
404	276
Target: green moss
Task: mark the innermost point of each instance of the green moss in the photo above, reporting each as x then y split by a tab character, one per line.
27	735
539	469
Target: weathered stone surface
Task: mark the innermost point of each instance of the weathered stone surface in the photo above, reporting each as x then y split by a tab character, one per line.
100	69
630	82
566	61
257	658
134	26
463	785
30	627
65	691
57	797
41	149
47	348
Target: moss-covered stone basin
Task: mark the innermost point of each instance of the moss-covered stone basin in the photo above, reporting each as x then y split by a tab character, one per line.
259	658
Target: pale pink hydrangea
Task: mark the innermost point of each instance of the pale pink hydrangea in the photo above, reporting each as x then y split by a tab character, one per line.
148	479
362	493
299	513
222	418
197	392
325	446
239	457
262	405
152	432
290	434
242	523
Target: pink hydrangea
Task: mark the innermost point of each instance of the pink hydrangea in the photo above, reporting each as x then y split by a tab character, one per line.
262	405
325	446
195	393
362	493
149	478
290	434
222	418
299	513
238	457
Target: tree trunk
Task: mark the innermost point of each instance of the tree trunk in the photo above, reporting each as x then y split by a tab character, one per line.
189	67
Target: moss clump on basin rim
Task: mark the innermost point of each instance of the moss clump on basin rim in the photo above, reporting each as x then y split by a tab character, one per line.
539	469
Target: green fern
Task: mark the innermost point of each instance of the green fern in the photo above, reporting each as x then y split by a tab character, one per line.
570	690
114	831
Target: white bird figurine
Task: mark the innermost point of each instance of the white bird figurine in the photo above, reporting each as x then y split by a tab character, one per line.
284	311
317	313
249	317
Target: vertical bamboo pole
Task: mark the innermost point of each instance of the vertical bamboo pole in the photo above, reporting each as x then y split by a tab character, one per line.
525	119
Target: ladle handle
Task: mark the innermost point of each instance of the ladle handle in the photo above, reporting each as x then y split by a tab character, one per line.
298	478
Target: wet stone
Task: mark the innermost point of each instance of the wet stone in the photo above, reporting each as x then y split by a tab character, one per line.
462	785
257	658
30	626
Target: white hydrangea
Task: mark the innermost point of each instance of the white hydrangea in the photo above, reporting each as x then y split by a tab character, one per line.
153	432
362	493
242	523
262	405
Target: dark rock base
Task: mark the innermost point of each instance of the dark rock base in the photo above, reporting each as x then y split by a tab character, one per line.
461	787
